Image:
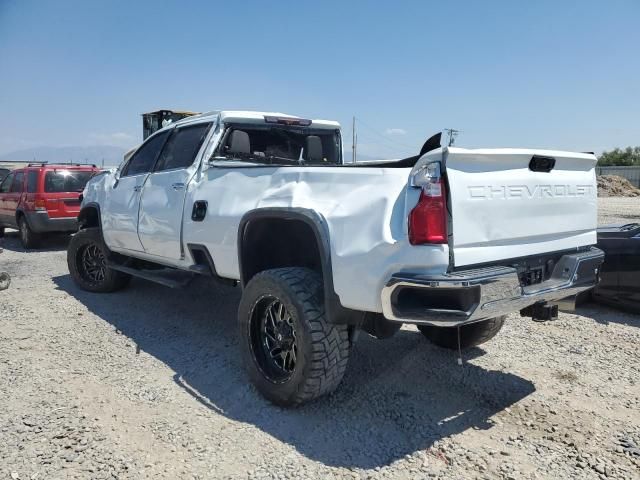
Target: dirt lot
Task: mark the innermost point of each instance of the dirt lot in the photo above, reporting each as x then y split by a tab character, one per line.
618	210
147	383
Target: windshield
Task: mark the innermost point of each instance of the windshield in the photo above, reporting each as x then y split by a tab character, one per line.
66	180
281	145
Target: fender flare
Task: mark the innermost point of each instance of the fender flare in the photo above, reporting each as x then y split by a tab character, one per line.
336	313
90	205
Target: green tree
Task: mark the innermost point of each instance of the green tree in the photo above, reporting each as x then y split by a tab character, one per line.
630	156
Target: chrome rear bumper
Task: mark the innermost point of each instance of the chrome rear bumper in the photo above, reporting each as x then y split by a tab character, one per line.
474	295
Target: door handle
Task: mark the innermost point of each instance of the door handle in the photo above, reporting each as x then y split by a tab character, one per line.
137	188
177	186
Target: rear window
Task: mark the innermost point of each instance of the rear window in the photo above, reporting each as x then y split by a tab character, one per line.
280	145
32	181
66	180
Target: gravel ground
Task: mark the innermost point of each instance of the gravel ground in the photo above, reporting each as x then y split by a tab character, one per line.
148	383
618	210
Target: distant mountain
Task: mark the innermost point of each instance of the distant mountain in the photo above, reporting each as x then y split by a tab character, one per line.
106	155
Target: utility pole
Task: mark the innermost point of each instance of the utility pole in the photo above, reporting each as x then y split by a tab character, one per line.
355	160
453	133
353	140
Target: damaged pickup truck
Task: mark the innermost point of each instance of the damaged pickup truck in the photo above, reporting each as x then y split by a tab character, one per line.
451	240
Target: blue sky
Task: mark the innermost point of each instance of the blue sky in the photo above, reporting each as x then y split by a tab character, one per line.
550	74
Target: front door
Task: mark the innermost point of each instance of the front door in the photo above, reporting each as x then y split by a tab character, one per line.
122	202
163	195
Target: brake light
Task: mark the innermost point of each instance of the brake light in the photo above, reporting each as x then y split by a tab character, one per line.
40	204
303	122
428	219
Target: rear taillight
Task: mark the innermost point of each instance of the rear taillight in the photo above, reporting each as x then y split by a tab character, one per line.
40	204
428	219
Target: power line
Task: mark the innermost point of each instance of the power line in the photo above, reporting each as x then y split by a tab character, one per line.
376	140
385	137
393	145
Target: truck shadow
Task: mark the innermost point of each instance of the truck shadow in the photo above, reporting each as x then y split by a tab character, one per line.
605	314
53	242
399	395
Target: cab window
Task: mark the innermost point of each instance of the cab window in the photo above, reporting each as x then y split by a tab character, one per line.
143	160
32	181
6	185
18	183
182	147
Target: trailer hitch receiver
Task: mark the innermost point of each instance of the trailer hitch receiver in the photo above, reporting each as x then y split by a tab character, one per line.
540	312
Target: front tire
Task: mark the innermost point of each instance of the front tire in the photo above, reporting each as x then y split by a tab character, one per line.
292	353
28	237
471	335
87	261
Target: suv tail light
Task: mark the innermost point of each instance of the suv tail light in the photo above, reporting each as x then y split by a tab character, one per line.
40	204
428	219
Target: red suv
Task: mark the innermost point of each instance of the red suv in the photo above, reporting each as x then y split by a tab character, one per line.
42	198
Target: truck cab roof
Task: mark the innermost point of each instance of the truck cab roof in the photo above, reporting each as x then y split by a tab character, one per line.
246	116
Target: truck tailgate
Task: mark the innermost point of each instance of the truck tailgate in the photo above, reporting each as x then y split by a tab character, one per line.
504	205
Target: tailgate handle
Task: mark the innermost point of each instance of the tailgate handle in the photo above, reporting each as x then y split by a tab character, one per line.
539	163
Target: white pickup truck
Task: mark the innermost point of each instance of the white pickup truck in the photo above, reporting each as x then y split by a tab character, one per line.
450	240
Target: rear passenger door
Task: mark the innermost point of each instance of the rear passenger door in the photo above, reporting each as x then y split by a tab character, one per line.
121	206
12	199
5	192
163	196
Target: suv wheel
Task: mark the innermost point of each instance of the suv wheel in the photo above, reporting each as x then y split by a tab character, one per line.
28	237
292	353
87	260
471	335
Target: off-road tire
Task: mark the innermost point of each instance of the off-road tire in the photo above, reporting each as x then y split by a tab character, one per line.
471	335
28	237
322	348
112	279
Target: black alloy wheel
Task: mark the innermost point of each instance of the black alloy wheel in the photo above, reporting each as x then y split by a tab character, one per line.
292	352
274	339
87	259
93	264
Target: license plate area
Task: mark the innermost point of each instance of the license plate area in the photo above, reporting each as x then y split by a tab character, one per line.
536	269
532	276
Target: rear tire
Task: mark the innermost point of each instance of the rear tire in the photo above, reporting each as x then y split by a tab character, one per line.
28	237
291	352
87	261
471	335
